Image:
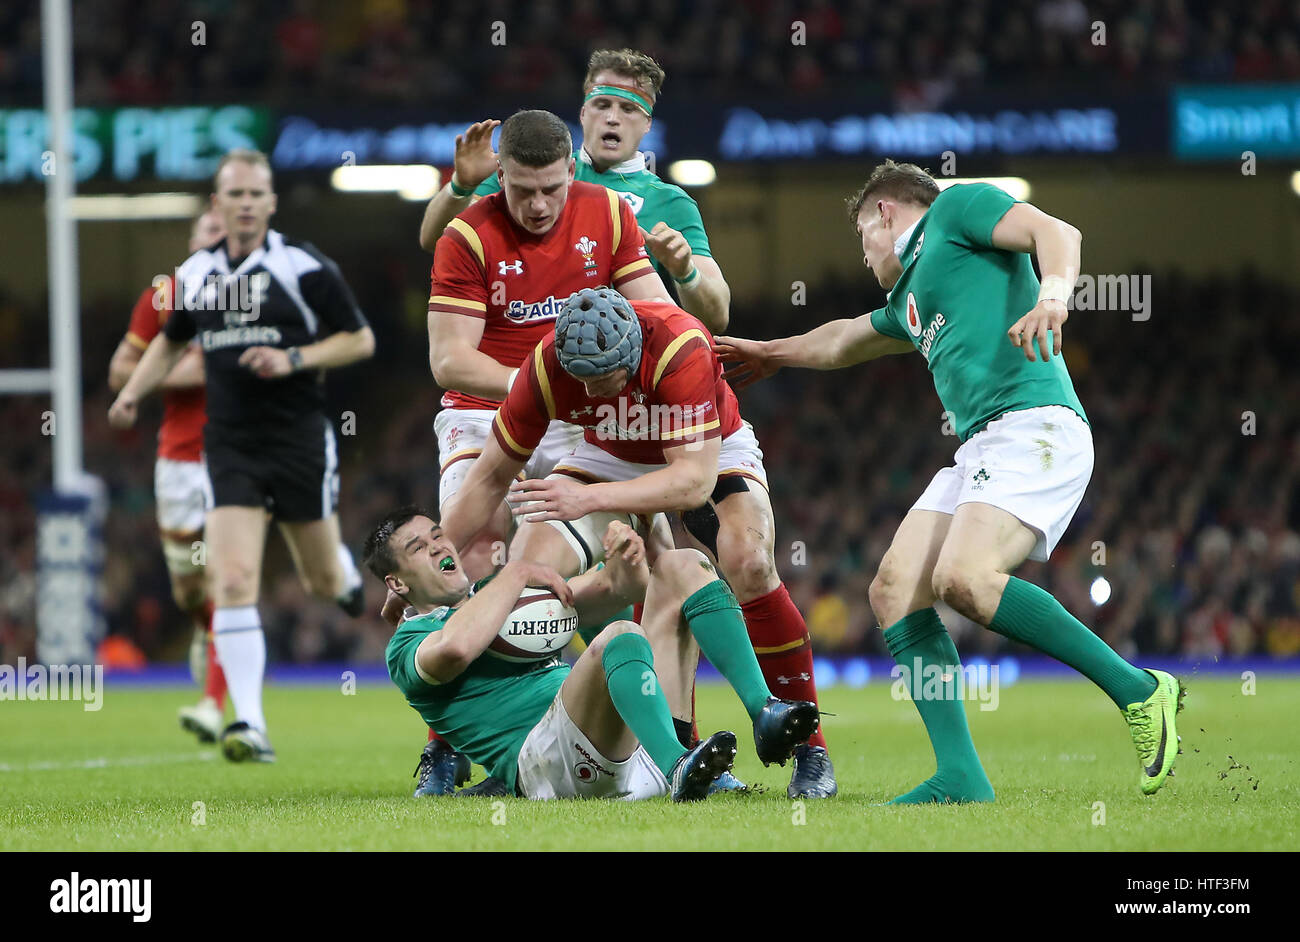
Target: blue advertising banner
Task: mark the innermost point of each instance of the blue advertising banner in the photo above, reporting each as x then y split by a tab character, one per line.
1225	121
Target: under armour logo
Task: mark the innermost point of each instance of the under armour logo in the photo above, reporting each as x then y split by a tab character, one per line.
789	680
517	267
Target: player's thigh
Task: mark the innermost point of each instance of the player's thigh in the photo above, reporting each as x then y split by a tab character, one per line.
550	546
903	582
313	544
585	694
746	534
984	538
235	538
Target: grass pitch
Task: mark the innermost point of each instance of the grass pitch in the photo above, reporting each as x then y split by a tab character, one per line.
1059	756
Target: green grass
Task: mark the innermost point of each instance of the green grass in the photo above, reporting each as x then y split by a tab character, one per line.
343	781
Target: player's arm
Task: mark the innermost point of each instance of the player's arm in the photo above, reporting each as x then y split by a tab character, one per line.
157	362
456	361
1056	246
485	487
338	349
444	655
474	162
186	374
700	285
832	346
707	296
685	482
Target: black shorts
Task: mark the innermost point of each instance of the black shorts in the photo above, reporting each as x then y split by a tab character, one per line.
293	472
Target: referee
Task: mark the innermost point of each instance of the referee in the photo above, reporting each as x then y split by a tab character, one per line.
271	315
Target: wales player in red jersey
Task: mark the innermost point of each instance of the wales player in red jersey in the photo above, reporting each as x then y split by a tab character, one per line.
179	479
501	270
963	294
662	432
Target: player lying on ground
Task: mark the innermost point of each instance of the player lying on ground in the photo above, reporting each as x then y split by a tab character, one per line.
663	433
179	479
603	728
958	271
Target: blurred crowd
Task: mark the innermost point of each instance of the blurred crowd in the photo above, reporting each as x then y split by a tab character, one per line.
1192	517
414	51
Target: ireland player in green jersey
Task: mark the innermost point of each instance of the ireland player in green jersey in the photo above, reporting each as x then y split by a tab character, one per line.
603	728
619	97
962	292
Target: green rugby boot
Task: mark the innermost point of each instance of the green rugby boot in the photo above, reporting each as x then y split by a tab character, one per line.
1151	723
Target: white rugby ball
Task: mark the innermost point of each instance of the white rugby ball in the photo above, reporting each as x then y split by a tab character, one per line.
538	627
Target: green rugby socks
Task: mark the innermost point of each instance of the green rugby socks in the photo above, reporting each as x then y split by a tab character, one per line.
714	617
1032	616
634	688
931	672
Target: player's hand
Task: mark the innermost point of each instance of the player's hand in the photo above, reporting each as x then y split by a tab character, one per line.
543	577
474	160
625	561
394	609
1046	315
122	413
670	248
266	362
552	499
752	358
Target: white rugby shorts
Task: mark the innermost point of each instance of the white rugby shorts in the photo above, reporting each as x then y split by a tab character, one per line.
557	760
1032	463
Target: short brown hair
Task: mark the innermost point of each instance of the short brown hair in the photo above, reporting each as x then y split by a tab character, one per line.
647	73
535	138
246	155
903	183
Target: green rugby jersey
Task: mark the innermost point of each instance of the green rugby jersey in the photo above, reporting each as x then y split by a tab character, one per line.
955	301
652	200
486	712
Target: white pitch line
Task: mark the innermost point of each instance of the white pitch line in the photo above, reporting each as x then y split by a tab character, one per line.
105	763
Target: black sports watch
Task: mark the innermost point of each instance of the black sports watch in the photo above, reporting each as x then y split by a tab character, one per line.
295	358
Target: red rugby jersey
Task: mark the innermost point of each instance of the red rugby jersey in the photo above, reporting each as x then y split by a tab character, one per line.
184	412
487	266
677	395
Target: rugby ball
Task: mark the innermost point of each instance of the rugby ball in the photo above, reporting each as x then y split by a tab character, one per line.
538	627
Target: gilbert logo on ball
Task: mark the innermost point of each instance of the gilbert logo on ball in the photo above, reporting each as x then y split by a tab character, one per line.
538	627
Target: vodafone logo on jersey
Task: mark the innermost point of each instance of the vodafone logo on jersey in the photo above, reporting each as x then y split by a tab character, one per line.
913	315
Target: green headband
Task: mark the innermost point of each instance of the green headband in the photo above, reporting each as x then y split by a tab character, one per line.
618	91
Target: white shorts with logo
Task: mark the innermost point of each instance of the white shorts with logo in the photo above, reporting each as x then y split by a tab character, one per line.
1033	463
558	761
462	433
739	456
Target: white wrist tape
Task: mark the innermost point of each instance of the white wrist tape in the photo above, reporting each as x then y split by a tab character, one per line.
1055	288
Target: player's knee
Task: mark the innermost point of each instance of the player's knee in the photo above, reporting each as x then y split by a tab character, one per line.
685	570
954	583
234	585
611	631
751	572
888	594
325	583
189	591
